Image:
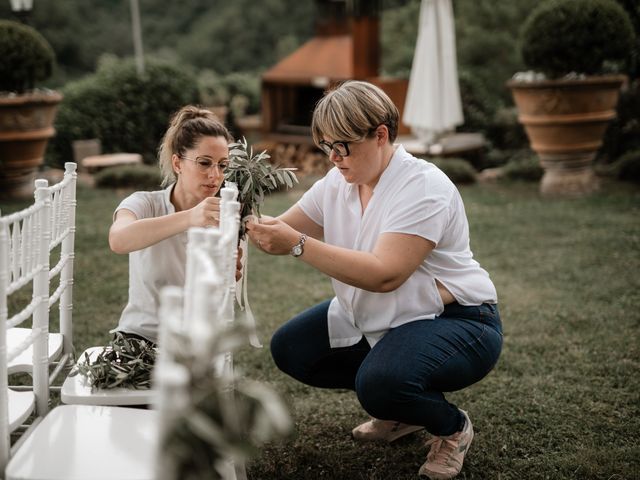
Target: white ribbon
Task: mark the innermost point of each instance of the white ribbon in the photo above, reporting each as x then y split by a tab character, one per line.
242	295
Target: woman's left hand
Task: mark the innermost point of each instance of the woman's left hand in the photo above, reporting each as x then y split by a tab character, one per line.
273	236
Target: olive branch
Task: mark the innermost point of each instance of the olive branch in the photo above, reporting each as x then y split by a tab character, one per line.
123	363
255	177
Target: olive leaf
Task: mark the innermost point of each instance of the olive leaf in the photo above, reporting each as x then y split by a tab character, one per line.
255	178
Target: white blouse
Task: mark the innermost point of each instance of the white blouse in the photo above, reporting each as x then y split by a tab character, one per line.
153	267
414	197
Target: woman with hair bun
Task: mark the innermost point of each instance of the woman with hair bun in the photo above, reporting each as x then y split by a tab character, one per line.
414	315
152	226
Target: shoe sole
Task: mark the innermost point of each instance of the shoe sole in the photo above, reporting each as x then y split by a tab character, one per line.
404	432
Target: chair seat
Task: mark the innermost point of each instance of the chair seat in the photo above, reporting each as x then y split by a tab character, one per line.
79	442
24	361
21	404
76	390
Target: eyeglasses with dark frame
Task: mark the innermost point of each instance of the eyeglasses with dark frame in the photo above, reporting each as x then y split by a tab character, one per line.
341	147
204	164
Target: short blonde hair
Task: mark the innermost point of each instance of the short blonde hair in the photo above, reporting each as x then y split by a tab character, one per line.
188	125
352	112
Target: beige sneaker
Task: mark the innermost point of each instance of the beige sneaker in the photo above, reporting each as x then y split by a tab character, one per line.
385	430
446	455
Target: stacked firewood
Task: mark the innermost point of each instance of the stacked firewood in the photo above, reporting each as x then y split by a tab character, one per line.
306	158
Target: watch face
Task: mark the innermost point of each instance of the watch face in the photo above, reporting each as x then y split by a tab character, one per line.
297	251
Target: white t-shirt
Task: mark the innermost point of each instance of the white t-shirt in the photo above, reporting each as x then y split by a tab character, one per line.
412	196
153	267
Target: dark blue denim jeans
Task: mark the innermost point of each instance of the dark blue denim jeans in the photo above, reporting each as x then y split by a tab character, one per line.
404	375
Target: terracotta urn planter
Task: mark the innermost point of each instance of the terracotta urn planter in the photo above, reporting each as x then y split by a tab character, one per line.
565	121
26	124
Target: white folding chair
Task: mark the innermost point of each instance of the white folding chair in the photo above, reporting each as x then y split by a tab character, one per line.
24	254
77	390
61	233
82	442
72	442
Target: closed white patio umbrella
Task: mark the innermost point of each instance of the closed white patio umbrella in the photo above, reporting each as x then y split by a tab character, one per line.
433	99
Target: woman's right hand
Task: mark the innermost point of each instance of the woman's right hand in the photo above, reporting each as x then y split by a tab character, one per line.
206	213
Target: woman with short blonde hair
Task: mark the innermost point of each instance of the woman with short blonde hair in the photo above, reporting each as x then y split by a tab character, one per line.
414	315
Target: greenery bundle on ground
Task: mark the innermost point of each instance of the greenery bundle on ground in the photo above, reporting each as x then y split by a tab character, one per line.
255	177
123	363
138	177
26	56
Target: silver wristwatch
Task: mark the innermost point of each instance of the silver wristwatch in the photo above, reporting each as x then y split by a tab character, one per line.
298	248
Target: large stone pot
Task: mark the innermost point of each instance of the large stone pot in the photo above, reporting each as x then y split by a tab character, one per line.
565	121
26	124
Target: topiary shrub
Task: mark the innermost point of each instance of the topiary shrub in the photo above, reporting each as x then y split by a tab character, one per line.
523	166
627	167
126	111
138	177
26	57
477	105
458	170
581	36
505	131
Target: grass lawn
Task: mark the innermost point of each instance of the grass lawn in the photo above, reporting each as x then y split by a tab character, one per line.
564	399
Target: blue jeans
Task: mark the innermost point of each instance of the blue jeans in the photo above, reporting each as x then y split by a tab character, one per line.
403	377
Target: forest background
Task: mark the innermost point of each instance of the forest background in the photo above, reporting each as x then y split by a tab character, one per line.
249	36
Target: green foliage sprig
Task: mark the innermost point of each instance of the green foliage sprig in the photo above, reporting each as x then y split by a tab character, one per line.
225	418
255	177
124	363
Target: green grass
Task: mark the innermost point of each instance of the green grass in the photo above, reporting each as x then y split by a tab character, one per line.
564	399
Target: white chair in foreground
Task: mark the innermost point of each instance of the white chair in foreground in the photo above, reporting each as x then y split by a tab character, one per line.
60	227
72	442
23	263
82	442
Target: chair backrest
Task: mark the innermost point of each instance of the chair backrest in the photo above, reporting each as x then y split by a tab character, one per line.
27	239
24	260
63	227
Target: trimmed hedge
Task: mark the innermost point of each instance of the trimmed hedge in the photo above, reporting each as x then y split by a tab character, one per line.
627	167
524	166
138	177
458	170
581	36
26	57
127	112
